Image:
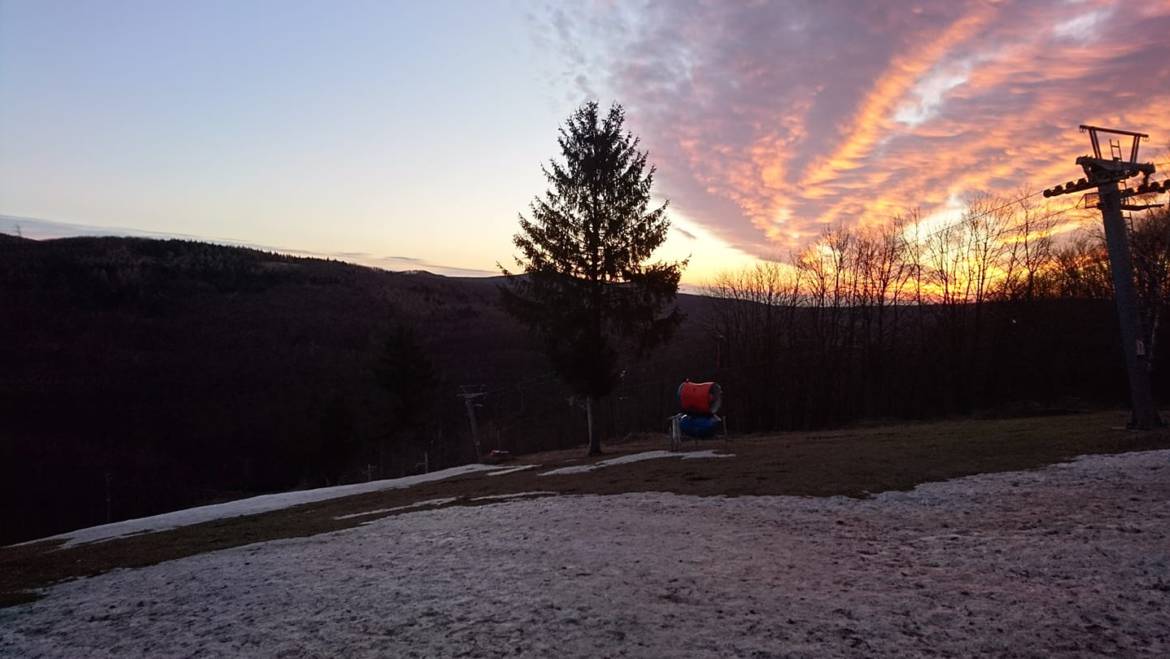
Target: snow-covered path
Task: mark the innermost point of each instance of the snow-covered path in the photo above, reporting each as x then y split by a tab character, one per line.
256	505
631	458
1072	559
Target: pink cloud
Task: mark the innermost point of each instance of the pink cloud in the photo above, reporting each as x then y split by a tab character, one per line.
769	122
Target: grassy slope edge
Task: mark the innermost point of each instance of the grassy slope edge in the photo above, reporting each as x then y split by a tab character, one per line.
852	462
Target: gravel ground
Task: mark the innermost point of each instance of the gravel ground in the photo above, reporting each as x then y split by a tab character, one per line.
1073	559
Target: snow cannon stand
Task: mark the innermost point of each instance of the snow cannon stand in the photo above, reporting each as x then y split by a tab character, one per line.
698	402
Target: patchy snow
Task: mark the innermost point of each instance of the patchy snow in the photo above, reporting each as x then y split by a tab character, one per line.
705	453
636	457
441	501
512	470
1073	560
516	495
251	506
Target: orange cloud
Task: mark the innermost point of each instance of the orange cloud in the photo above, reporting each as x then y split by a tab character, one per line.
874	117
769	123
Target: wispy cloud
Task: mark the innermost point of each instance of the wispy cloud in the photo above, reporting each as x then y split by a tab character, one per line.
1083	27
769	121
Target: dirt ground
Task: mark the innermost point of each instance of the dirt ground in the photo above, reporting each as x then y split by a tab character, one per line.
856	463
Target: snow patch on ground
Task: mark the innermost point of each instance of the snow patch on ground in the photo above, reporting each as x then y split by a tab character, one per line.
512	470
251	506
500	497
441	501
1069	560
635	457
705	453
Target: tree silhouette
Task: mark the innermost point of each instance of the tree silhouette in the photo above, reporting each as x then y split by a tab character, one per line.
405	371
587	289
337	440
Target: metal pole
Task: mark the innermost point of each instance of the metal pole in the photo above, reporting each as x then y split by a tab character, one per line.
1137	365
1105	175
471	419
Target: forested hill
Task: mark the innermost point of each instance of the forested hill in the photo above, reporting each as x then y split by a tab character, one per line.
162	373
139	375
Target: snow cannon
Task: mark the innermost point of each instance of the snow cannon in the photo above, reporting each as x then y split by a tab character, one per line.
698	402
699	426
702	398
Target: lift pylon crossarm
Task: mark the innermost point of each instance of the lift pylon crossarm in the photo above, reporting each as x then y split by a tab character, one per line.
1114	131
1098	180
1149	187
1093	130
1071	187
1095	179
1117	168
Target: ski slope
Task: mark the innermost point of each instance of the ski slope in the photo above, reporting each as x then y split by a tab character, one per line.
1073	559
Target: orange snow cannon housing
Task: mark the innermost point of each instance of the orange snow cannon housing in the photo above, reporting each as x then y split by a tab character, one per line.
700	397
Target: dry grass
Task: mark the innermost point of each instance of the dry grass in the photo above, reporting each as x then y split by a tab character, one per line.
850	462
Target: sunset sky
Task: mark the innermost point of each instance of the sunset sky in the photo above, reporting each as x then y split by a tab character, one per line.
409	135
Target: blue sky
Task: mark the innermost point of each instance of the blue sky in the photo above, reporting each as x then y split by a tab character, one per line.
389	128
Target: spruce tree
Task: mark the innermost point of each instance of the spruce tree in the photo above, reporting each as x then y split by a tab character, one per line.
588	289
406	373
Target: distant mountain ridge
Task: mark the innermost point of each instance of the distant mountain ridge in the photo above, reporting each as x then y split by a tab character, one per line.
39	229
167	373
177	370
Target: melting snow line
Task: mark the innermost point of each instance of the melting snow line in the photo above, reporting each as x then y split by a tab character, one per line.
706	453
251	506
511	470
499	497
635	457
417	504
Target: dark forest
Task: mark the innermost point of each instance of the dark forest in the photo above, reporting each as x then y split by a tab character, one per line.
139	376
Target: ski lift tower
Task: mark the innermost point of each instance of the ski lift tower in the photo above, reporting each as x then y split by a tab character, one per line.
1106	174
